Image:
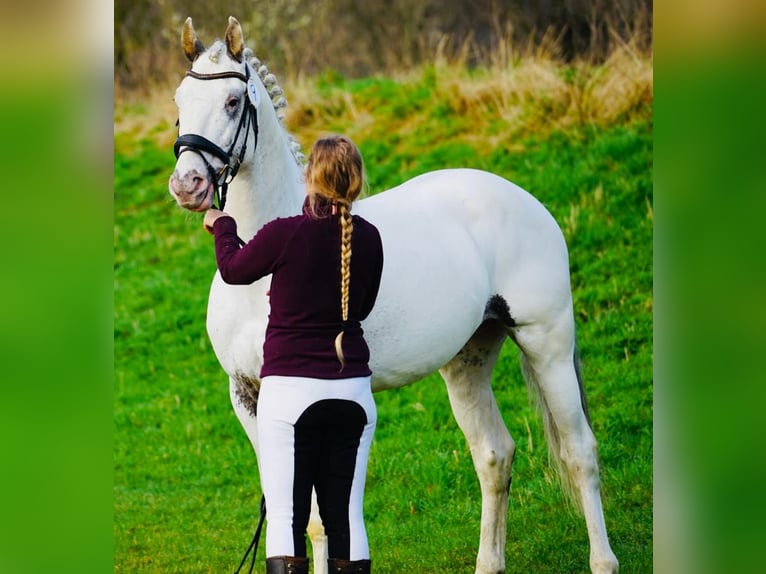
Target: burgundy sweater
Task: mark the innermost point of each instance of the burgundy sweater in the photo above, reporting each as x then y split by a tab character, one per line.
302	253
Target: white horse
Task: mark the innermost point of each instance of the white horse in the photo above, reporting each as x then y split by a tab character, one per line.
470	260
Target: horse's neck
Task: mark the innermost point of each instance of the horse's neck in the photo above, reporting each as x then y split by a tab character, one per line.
268	185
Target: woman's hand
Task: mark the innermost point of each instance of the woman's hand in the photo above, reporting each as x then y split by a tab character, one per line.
210	216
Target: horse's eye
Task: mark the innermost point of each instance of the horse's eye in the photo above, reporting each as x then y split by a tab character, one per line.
232	104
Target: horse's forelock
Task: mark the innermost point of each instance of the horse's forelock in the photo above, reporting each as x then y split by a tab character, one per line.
216	50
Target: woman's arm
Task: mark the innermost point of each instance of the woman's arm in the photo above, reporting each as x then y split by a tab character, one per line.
246	264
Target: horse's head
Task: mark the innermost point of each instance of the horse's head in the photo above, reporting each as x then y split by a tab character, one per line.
217	117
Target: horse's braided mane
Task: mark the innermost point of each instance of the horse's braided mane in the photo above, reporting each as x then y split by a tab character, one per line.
278	99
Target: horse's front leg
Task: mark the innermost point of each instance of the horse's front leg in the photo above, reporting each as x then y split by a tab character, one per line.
243	392
468	378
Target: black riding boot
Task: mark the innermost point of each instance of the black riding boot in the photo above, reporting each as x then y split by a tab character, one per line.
336	566
287	565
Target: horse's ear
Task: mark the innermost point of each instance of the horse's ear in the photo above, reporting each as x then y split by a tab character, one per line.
192	46
234	42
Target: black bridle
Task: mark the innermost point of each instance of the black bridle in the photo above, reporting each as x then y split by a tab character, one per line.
198	144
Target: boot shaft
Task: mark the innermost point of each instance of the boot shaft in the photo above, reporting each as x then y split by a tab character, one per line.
287	565
337	566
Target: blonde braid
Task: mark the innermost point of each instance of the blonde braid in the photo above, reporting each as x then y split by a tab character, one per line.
335	173
346	226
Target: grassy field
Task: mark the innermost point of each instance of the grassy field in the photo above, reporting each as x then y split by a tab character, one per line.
186	487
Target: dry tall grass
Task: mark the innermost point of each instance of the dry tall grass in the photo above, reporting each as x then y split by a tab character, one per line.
530	90
537	91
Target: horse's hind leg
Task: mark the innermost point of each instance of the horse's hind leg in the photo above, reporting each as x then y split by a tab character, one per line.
549	364
468	377
317	536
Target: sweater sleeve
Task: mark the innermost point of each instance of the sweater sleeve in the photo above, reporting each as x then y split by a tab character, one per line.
246	264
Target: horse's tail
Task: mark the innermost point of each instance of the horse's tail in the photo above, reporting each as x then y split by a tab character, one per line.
552	436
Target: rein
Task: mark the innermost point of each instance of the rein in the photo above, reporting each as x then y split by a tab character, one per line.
198	144
254	544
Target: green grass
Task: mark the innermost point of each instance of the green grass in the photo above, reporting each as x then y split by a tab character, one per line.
186	487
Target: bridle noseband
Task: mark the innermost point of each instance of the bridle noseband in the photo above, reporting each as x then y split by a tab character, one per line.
198	144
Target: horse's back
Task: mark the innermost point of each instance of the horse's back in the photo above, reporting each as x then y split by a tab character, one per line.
476	202
449	188
491	222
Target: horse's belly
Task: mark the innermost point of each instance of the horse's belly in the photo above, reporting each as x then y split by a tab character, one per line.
431	300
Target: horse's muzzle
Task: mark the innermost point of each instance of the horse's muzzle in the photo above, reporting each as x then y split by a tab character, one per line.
193	191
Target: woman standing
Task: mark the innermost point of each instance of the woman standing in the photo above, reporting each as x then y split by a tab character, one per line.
316	414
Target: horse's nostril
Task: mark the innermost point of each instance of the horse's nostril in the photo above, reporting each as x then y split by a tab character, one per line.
197	180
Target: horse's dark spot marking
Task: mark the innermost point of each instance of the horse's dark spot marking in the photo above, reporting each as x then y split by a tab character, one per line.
497	308
247	391
473	356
